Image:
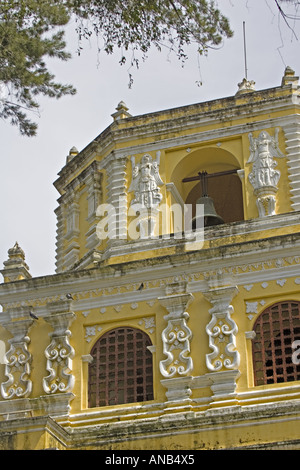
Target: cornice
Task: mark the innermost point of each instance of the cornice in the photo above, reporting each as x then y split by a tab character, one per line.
245	262
158	125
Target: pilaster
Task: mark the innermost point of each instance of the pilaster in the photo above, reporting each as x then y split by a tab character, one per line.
292	141
59	211
59	353
93	183
117	197
177	335
18	358
222	330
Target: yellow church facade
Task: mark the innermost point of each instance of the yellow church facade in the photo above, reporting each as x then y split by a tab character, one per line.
173	319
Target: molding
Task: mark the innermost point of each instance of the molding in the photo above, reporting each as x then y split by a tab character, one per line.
97	429
246	263
170	187
54	405
212	136
87	358
192	116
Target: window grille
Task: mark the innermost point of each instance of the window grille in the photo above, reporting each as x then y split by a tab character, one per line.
121	370
276	329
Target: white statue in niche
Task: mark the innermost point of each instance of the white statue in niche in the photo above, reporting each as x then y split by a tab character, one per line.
145	183
264	177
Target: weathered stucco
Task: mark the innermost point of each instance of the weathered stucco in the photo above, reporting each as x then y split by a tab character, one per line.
204	398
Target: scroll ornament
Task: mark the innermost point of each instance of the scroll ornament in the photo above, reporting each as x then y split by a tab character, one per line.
17	362
222	330
176	337
59	356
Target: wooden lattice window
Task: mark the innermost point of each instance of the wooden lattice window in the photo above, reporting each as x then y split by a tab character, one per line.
121	370
275	331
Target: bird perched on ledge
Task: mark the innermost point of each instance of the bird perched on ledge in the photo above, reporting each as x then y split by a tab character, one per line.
32	315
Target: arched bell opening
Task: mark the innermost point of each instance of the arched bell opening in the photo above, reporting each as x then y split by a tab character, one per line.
223	184
224	197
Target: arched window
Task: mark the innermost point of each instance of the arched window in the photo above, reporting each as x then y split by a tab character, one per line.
121	370
276	329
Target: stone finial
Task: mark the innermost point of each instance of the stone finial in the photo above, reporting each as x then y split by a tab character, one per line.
72	153
122	112
289	78
246	86
15	267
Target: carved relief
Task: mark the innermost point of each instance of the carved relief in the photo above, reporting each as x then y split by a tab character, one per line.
59	355
17	361
176	336
149	324
222	330
264	177
91	331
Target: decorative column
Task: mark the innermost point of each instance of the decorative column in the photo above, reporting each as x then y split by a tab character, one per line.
59	353
221	330
18	358
224	359
292	141
72	212
176	337
117	197
93	182
291	128
60	227
263	177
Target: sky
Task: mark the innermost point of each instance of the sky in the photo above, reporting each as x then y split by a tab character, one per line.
29	165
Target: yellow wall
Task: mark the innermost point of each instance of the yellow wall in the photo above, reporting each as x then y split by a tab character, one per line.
250	258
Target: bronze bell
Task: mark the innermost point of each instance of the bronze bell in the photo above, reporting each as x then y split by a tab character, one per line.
210	215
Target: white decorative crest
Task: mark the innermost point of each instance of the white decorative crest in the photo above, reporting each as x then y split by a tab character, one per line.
246	86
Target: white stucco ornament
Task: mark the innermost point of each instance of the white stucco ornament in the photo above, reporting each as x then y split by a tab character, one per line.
145	183
264	177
